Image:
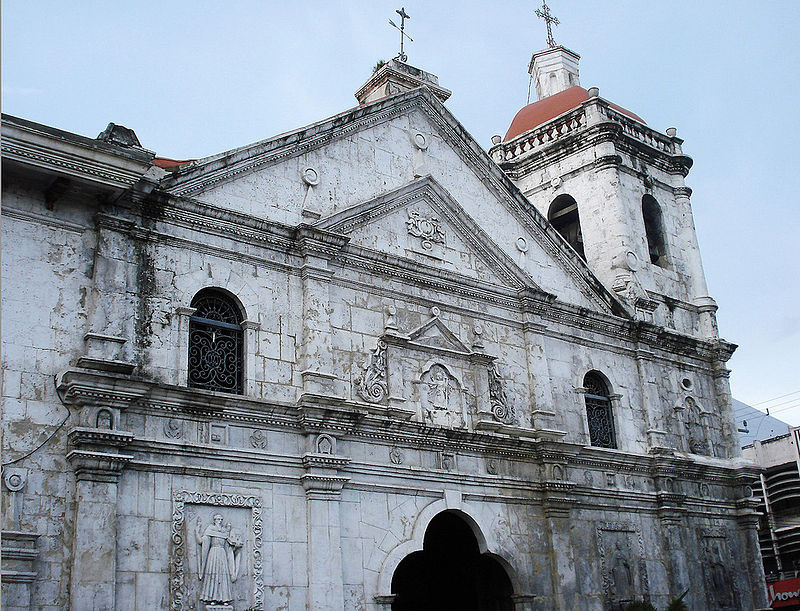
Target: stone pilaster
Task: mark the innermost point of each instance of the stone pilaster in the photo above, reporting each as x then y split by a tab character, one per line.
706	306
317	248
323	488
747	516
98	465
250	329
183	314
542	418
557	510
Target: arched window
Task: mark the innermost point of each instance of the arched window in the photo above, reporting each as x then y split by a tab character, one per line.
563	214
215	343
653	227
598	411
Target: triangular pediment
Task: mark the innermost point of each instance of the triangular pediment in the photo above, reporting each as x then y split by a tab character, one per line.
423	222
435	334
364	155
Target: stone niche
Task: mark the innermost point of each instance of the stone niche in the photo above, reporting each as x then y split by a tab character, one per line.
216	552
431	376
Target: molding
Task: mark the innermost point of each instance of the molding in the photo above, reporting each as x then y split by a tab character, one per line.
43	219
85	159
427	189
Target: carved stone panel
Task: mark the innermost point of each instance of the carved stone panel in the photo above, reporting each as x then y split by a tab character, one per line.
718	565
441	397
216	560
620	548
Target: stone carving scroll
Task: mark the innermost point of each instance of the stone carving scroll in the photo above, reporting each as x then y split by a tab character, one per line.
371	384
502	409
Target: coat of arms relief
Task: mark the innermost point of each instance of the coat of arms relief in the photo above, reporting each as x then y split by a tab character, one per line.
435	378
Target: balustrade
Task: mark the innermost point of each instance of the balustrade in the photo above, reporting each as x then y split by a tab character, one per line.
573	122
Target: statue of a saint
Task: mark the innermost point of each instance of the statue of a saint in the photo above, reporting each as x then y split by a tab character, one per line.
219	559
720	581
621	574
439	387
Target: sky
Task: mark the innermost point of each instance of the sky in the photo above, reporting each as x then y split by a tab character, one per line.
196	78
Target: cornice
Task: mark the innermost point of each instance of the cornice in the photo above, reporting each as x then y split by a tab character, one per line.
207	173
63	153
198	176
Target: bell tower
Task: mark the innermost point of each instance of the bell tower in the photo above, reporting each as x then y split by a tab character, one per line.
614	189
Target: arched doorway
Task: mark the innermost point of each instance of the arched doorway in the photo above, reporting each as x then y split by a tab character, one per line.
450	573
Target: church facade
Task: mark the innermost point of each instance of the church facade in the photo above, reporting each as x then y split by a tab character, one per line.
368	365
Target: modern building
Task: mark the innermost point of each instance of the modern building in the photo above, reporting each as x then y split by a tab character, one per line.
367	364
778	492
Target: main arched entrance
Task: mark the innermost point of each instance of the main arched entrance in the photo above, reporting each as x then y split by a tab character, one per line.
450	573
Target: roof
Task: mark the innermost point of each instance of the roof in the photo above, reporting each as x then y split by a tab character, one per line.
538	113
170	164
759	425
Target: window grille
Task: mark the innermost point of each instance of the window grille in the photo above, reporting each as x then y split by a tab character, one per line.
215	343
598	412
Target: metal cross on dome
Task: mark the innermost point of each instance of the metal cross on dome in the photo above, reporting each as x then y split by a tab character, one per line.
403	16
550	20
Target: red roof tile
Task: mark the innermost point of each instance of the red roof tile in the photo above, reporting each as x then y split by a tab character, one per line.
534	115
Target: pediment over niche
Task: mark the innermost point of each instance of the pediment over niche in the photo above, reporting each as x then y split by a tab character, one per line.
431	376
435	334
422	221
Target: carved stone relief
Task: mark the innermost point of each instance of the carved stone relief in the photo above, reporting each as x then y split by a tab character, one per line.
695	428
371	383
258	439
104	420
717	571
219	434
173	428
429	230
621	551
441	398
447	461
501	406
325	444
396	456
216	555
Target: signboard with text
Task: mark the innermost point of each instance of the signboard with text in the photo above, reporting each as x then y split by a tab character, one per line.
784	594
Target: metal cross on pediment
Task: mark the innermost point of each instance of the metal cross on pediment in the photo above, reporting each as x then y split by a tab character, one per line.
403	16
550	20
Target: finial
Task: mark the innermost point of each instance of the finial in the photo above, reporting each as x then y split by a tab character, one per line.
550	20
403	16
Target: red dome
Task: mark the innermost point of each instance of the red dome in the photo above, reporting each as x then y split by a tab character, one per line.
534	115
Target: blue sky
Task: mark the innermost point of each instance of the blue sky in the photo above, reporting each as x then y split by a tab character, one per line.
197	78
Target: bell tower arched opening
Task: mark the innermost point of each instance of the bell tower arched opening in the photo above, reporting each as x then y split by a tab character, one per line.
563	214
450	572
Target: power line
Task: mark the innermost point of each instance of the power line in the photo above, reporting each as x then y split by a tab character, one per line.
774	398
795	400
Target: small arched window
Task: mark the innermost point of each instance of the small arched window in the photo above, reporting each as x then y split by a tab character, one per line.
563	215
598	411
216	359
654	230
